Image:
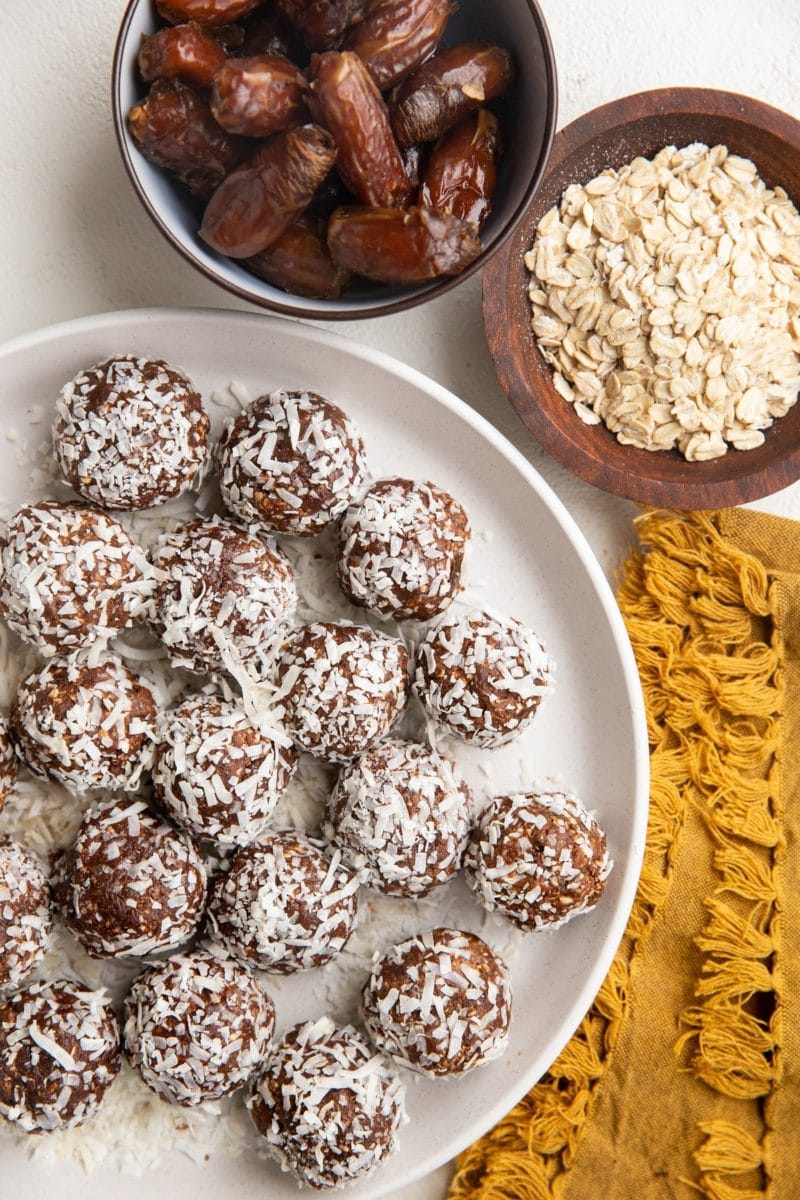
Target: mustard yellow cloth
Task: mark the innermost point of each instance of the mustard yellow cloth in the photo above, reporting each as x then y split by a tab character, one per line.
684	1078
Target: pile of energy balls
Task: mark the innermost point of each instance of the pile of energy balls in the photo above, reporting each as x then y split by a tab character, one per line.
166	784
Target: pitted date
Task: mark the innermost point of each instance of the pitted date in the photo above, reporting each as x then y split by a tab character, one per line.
259	95
461	173
300	262
447	87
184	52
260	199
322	22
174	127
206	12
391	246
397	35
347	102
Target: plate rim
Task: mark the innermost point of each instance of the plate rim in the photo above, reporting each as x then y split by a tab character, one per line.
586	994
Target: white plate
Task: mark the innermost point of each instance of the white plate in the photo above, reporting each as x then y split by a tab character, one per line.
533	563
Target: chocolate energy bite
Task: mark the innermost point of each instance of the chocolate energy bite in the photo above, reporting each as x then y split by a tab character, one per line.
8	762
539	860
482	677
130	884
401	817
342	687
196	1027
25	920
284	905
86	726
327	1106
59	1054
292	462
439	1002
216	774
401	549
220	590
70	575
130	432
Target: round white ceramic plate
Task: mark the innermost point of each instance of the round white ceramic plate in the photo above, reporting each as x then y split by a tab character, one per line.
529	560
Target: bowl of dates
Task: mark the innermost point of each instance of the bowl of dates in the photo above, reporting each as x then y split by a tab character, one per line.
335	159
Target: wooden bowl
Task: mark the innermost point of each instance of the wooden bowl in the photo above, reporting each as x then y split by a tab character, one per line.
611	136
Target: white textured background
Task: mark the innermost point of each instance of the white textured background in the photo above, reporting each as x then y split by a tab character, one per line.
74	239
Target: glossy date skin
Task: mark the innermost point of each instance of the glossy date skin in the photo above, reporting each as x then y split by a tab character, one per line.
184	52
461	173
322	22
259	95
397	35
447	87
347	102
174	128
206	12
391	246
300	262
258	201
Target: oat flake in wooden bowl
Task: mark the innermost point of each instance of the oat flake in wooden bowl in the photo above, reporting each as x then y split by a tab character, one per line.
612	138
666	297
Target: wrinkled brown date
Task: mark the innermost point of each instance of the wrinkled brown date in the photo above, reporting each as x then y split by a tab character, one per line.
184	52
347	102
397	35
174	127
322	22
299	261
391	246
447	87
254	205
259	96
461	173
206	12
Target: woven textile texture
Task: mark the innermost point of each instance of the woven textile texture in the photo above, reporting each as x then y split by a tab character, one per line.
683	1079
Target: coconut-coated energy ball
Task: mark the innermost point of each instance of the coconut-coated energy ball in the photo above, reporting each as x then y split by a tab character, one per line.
8	762
130	433
25	921
284	905
482	677
218	776
196	1027
342	687
537	859
70	575
401	549
220	590
86	726
327	1105
59	1054
439	1002
401	817
291	462
130	884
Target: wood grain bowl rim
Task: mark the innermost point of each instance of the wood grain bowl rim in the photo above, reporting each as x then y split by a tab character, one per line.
525	376
293	306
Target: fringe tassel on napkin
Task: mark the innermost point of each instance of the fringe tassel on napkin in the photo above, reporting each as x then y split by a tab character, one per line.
682	1079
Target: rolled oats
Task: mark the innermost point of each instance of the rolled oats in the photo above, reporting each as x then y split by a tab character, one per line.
666	296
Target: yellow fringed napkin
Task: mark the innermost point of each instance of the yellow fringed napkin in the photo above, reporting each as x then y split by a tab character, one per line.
684	1077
